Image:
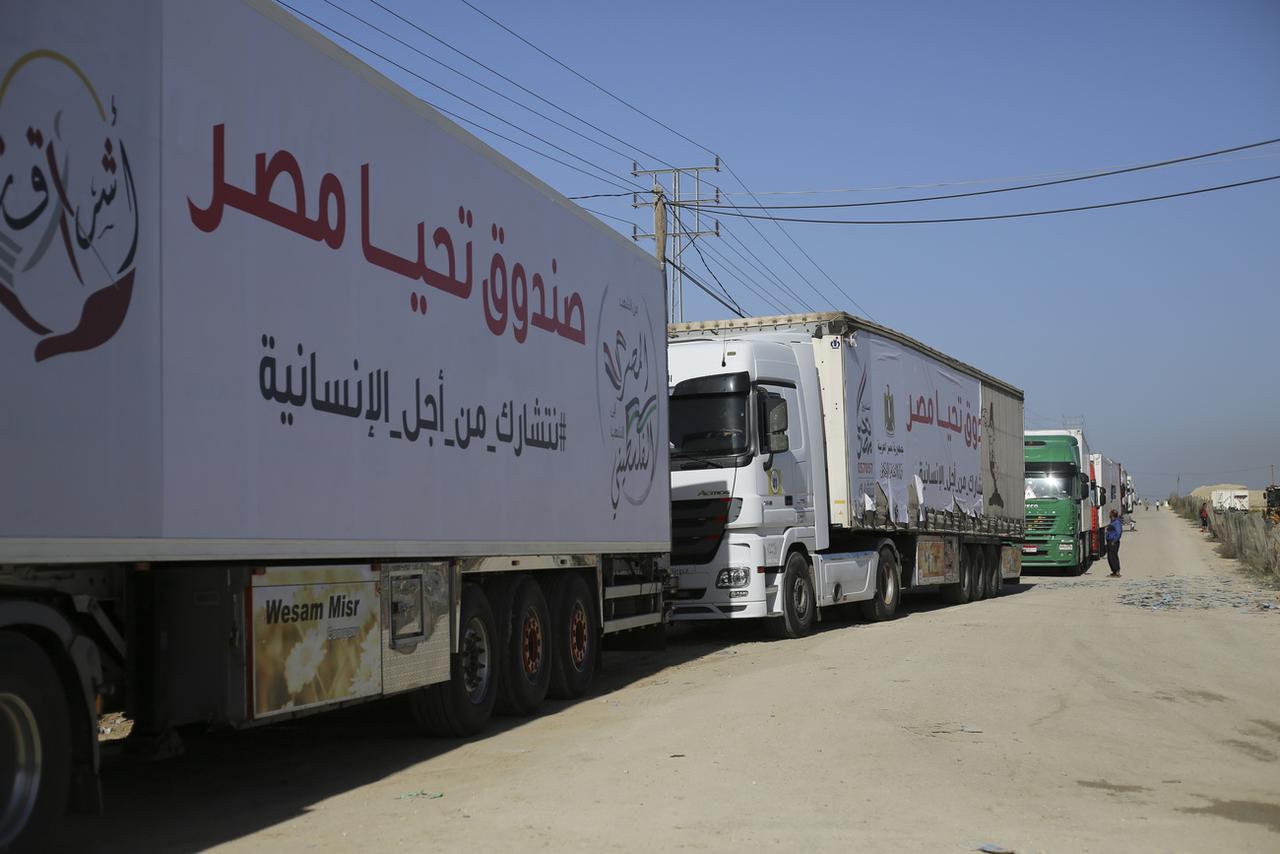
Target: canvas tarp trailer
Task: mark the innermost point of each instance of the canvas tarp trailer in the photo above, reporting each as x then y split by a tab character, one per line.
917	435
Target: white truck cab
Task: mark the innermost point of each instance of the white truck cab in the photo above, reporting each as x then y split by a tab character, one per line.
741	495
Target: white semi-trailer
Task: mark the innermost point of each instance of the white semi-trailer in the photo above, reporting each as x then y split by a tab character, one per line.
821	459
309	398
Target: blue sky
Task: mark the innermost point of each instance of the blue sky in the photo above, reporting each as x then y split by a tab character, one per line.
1156	322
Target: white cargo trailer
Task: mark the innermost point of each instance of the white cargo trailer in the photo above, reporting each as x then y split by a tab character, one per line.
822	459
310	397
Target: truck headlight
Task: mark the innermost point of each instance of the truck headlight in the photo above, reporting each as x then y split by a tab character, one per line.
734	576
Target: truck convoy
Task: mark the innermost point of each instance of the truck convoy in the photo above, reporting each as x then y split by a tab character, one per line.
281	429
1062	525
821	459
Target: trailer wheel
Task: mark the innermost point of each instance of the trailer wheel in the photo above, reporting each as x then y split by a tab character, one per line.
575	638
884	604
995	582
799	611
463	705
961	591
526	667
35	744
978	573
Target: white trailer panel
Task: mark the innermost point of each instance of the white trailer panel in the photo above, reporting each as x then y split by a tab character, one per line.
359	336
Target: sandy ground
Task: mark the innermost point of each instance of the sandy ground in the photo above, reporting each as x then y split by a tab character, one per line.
1089	714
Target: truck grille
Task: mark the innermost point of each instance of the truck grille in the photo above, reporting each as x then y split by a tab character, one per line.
1040	524
697	527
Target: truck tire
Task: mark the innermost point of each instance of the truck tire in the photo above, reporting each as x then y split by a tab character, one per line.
799	610
884	604
463	705
575	638
526	664
995	582
961	591
978	573
35	744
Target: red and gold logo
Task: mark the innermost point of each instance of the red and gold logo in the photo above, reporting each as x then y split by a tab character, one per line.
68	208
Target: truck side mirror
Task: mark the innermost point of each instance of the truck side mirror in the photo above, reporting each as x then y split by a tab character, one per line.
1084	487
773	412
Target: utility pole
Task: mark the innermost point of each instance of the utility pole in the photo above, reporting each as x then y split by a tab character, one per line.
680	236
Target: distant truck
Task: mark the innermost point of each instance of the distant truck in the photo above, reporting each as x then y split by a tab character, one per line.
1061	521
1230	499
1109	494
821	460
310	398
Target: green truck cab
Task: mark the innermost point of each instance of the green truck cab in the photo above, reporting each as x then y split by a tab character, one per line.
1056	489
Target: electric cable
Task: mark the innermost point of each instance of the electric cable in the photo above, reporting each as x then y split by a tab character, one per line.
672	130
696	281
971	182
1038	184
1020	215
763	291
469	103
694	245
466	76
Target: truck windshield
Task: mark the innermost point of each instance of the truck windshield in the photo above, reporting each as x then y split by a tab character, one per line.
709	425
1049	485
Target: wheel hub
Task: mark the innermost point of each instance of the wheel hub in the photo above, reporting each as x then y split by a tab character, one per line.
800	597
475	660
531	644
578	636
21	763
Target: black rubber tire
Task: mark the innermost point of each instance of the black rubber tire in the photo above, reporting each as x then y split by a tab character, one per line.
525	662
575	637
978	573
960	592
29	679
449	708
995	582
799	607
884	604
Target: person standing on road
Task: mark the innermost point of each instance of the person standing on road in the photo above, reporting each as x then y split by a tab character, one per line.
1204	517
1114	529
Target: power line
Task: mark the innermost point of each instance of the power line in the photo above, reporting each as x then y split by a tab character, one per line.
600	196
485	86
609	216
517	84
672	130
1088	177
697	281
763	268
586	79
694	243
1008	216
971	182
743	277
471	104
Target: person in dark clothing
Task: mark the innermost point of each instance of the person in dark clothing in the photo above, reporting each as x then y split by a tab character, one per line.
1114	529
1204	517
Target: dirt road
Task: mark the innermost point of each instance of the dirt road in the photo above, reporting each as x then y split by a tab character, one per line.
1088	714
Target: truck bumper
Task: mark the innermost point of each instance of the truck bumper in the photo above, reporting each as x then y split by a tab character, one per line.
698	598
1052	551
